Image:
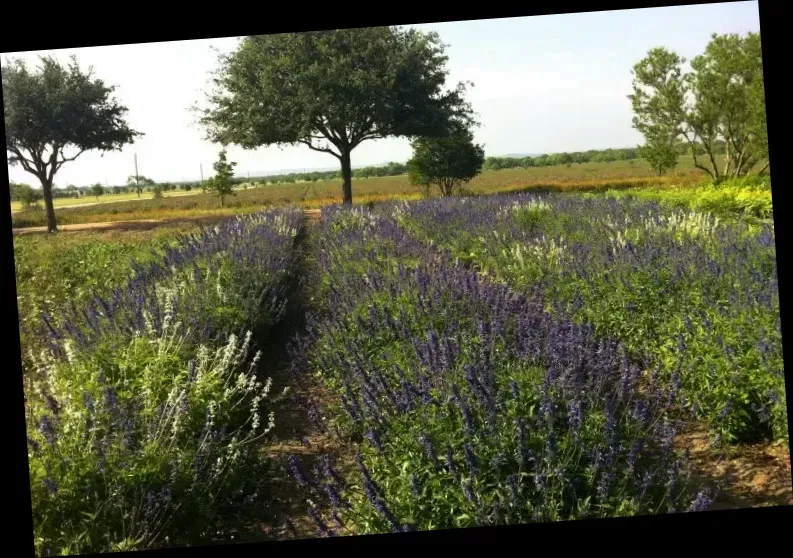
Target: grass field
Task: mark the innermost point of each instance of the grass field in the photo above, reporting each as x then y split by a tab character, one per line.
586	177
106	198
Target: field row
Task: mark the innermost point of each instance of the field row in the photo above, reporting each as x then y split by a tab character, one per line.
557	398
474	361
143	397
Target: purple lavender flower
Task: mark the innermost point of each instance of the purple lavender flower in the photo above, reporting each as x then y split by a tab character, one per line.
415	487
374	495
51	485
702	502
297	471
51	404
429	450
514	491
322	527
34	445
726	410
513	386
47	429
467	492
334	496
375	440
471	460
468	419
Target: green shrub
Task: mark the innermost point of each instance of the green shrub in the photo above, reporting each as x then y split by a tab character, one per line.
129	447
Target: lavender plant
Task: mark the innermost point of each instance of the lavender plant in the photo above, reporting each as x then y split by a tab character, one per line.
685	291
471	403
143	412
130	448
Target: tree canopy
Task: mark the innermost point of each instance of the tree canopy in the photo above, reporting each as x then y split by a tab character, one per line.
333	90
139	182
54	115
719	102
97	190
223	181
446	162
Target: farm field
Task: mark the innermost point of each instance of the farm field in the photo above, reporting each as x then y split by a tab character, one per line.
585	177
511	325
411	365
105	198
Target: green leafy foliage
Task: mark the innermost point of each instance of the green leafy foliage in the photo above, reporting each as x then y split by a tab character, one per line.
54	111
332	90
445	162
720	102
222	183
693	294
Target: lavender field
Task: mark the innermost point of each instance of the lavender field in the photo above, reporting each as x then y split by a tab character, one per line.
411	366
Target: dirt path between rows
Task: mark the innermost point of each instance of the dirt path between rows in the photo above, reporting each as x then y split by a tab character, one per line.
142	224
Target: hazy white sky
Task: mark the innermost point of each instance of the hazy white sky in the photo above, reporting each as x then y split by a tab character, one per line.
543	84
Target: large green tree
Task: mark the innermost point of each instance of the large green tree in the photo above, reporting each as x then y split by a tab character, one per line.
445	162
719	104
55	114
333	90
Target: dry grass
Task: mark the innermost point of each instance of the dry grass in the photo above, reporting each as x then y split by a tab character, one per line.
587	177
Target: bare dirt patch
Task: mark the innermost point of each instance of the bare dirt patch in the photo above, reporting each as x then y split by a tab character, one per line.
755	475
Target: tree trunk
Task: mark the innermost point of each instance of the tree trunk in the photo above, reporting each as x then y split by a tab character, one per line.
346	176
221	201
46	186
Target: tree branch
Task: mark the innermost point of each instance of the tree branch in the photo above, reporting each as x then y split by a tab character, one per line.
24	161
694	155
60	163
367	136
329	133
322	149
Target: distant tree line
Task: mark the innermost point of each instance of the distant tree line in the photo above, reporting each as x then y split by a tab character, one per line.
391	169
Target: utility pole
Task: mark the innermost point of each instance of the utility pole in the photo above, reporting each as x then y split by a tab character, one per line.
201	166
137	184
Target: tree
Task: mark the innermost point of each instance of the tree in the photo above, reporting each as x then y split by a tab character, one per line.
719	103
661	151
447	162
333	90
71	191
27	195
54	111
139	182
97	190
223	181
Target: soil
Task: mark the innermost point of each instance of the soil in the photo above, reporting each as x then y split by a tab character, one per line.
756	475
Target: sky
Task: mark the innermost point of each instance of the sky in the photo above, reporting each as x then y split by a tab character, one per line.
542	84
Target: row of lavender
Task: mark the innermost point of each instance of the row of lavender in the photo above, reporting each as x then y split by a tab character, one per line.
142	413
471	404
689	294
